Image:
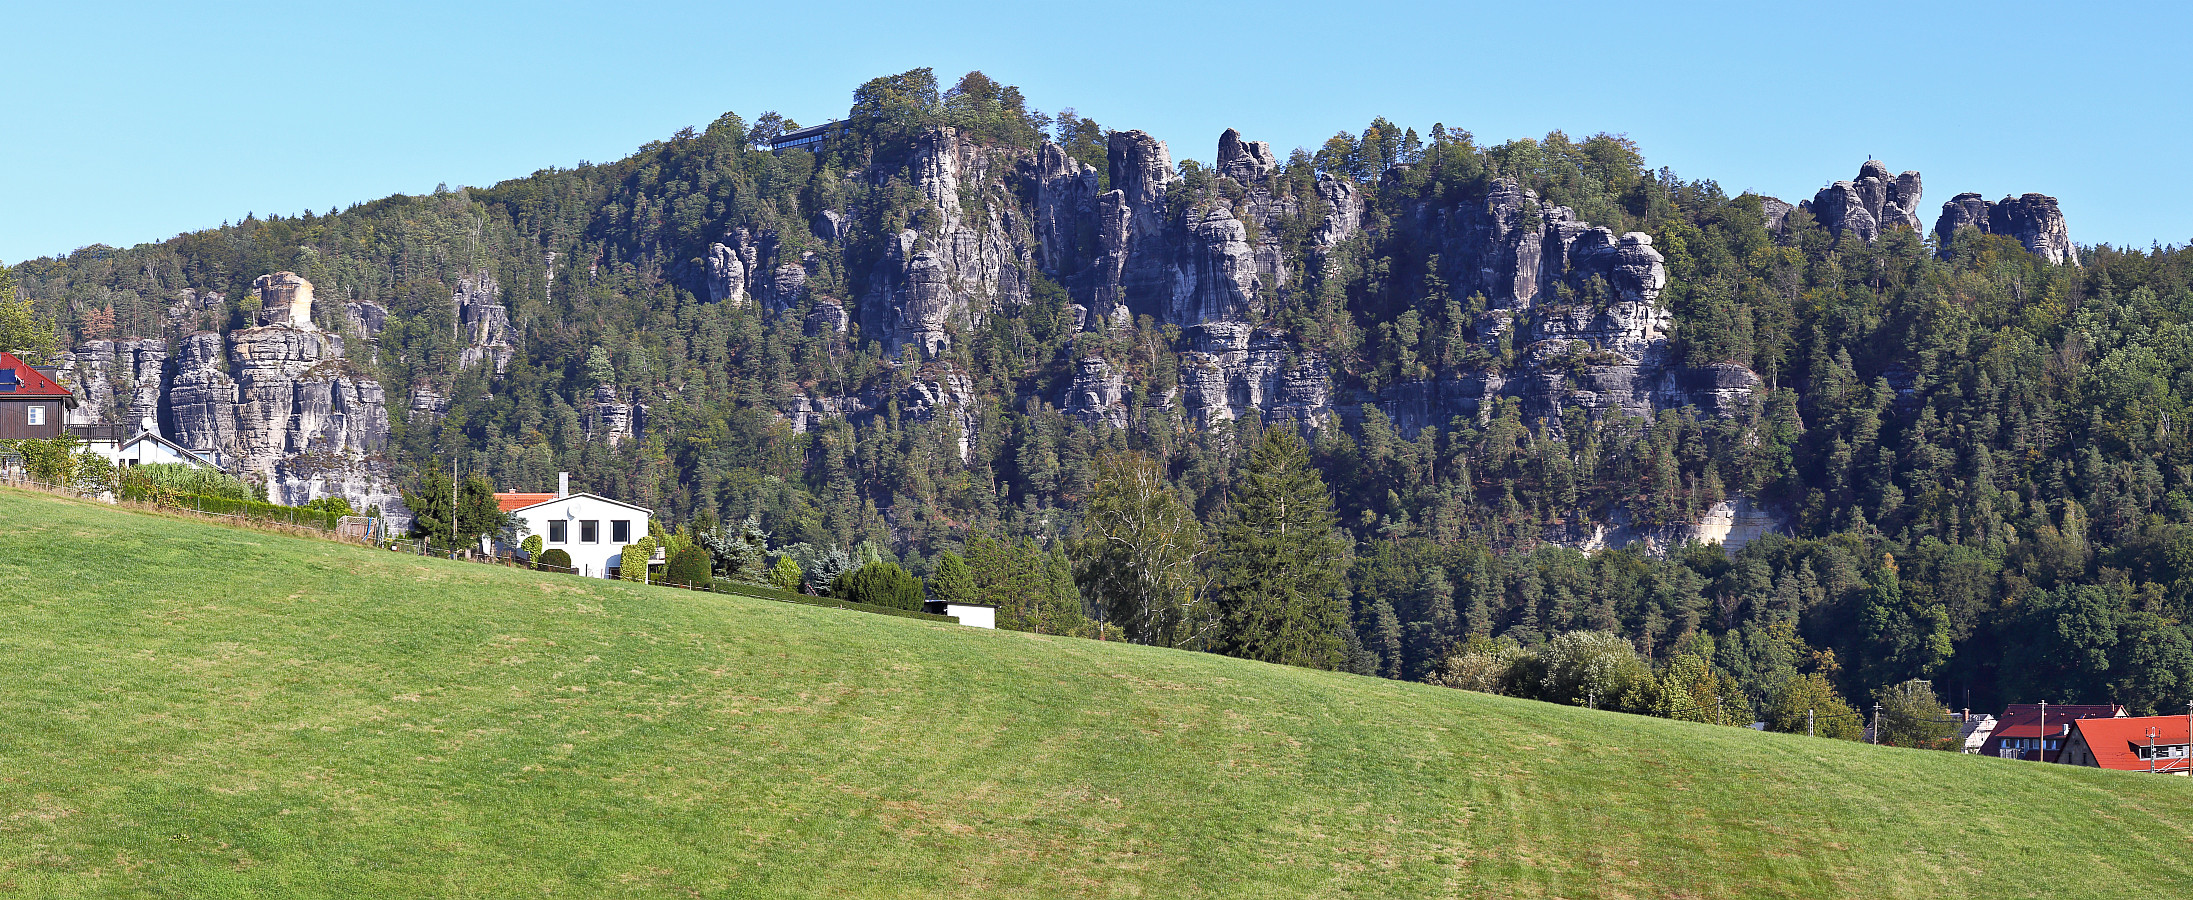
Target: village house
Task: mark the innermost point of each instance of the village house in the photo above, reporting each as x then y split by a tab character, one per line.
591	528
32	405
143	447
2022	733
2155	744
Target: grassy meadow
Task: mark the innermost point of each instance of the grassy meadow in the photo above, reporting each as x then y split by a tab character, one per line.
189	710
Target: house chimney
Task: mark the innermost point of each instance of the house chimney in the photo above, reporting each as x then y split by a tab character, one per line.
563	484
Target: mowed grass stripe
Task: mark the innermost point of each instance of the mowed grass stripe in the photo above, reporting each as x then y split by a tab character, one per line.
188	710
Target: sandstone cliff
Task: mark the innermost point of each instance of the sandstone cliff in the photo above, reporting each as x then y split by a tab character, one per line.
277	403
2034	219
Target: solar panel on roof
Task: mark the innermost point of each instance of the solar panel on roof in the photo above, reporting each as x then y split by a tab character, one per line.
8	382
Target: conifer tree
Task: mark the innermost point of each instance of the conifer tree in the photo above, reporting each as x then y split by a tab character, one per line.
1279	563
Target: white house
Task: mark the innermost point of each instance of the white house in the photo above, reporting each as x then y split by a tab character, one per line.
590	527
144	448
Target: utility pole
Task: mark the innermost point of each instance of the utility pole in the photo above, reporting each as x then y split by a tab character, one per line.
1876	723
452	506
2042	753
1808	723
2150	749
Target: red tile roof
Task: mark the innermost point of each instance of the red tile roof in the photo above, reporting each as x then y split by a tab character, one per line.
2024	719
2116	743
31	383
515	500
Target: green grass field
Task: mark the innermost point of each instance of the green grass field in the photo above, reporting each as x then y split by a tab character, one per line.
194	711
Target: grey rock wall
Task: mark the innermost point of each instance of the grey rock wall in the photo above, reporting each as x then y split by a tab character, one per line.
486	324
2036	220
1868	205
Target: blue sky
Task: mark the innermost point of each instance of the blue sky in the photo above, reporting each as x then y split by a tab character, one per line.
132	122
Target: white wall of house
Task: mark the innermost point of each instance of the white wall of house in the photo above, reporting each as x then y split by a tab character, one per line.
151	452
587	527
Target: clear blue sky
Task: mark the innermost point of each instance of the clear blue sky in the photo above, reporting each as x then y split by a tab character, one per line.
132	122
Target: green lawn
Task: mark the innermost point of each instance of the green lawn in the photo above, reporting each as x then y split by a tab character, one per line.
194	711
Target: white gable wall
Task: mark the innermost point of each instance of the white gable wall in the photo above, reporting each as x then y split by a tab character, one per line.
592	558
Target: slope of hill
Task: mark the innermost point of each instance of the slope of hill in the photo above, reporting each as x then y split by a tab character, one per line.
189	710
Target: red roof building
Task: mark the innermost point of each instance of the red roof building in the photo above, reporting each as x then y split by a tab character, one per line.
31	402
2144	744
512	501
2020	733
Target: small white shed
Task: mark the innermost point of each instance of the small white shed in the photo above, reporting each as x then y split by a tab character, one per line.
972	615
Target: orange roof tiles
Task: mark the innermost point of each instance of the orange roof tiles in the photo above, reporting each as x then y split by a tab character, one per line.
2116	743
514	500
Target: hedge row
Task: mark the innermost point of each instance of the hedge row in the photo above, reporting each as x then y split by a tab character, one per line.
322	519
770	593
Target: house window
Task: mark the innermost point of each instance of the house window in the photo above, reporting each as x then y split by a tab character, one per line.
558	531
620	531
37	415
590	531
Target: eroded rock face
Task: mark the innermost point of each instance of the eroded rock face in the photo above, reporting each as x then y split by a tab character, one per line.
1567	315
486	323
827	316
2034	219
613	420
1216	279
966	265
284	299
726	274
1870	204
118	382
1247	162
195	311
1098	394
367	318
280	404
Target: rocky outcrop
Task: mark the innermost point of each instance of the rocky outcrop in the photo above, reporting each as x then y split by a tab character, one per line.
1872	203
117	382
1233	370
1065	199
827	316
279	403
1776	212
1731	523
284	299
727	268
427	405
1564	315
194	310
1248	162
1097	394
2034	219
202	399
613	420
367	319
1216	279
486	324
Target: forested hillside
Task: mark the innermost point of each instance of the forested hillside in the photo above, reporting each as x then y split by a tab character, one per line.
962	326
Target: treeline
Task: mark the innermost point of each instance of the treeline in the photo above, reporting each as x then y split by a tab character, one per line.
1984	460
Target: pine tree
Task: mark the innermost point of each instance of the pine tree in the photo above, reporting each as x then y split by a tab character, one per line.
952	581
1279	562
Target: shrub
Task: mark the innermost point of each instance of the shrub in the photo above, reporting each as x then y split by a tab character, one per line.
880	584
632	561
785	576
531	546
330	503
555	559
688	566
